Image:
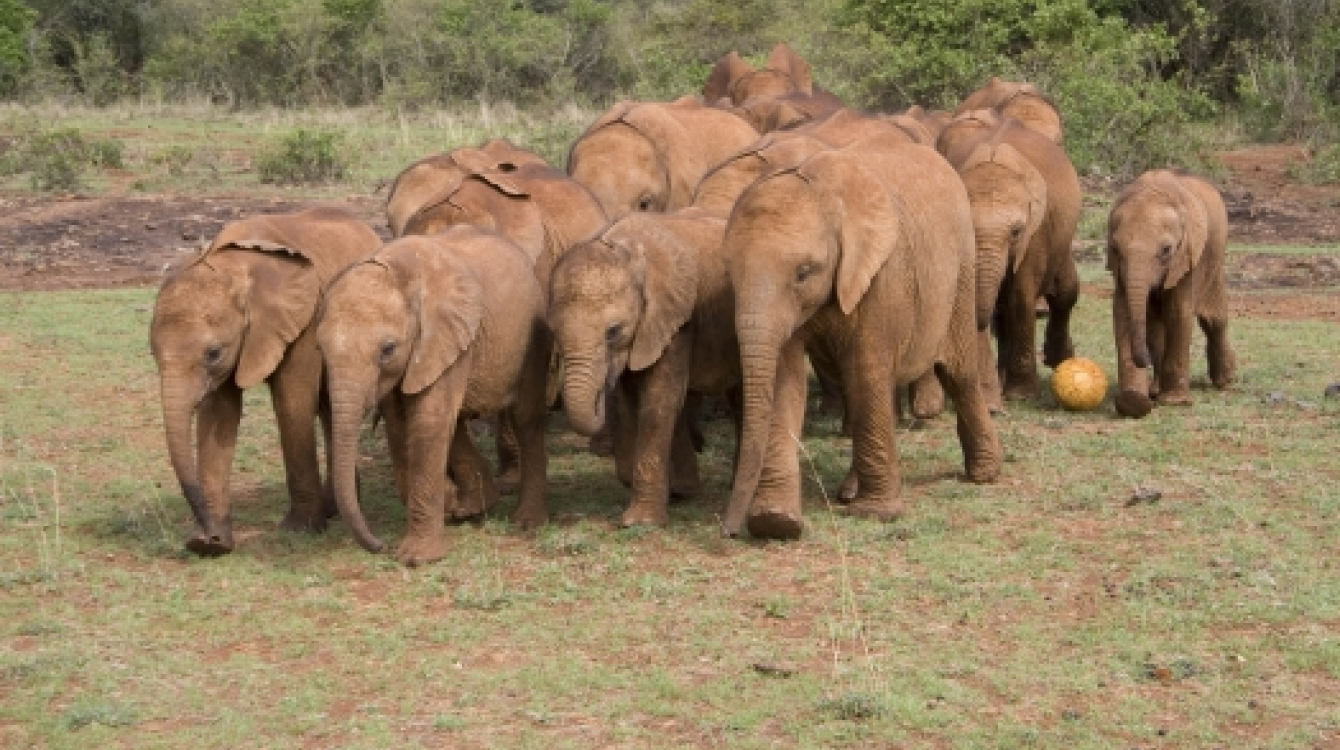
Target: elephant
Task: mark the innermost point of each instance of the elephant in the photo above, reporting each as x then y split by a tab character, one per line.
785	74
1022	101
514	192
1026	204
431	176
1166	238
783	112
868	253
650	156
237	314
640	308
721	187
433	329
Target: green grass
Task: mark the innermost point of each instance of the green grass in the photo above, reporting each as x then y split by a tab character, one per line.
185	148
1041	611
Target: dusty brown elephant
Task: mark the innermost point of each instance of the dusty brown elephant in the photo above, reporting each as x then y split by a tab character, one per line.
784	75
430	177
1026	204
642	308
651	156
868	252
240	313
1022	101
431	330
1167	235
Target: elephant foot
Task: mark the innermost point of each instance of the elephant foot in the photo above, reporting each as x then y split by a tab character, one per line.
983	468
1021	391
530	516
775	523
644	514
305	520
421	550
888	509
1133	404
1053	356
1175	398
850	487
684	488
212	542
508	480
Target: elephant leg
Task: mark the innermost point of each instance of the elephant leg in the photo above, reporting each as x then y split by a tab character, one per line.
776	512
294	393
685	480
472	476
530	413
430	425
1156	340
1057	346
392	412
505	443
958	371
1018	339
1132	398
926	396
1223	362
660	399
869	383
988	377
624	429
1174	370
216	423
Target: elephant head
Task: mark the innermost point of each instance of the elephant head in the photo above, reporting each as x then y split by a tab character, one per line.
230	314
722	186
1022	101
396	321
1156	233
649	157
799	239
1009	203
424	181
615	303
785	72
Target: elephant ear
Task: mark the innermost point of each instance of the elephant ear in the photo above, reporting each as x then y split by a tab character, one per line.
869	218
1195	232
679	154
283	291
785	59
668	268
729	69
448	300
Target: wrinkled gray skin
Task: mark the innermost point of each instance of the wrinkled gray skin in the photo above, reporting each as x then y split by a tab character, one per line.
233	317
1167	236
433	330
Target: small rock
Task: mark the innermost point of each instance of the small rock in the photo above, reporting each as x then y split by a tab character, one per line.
1333	390
1275	398
190	236
1144	495
151	227
773	670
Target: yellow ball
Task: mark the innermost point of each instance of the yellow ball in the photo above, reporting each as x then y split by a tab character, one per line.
1079	384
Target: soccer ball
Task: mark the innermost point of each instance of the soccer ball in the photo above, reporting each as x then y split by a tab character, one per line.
1079	384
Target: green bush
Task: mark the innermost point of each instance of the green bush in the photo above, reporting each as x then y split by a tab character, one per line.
301	157
56	160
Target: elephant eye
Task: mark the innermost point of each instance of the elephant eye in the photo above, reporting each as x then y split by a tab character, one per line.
805	271
1165	252
614	333
213	354
388	350
1016	231
644	204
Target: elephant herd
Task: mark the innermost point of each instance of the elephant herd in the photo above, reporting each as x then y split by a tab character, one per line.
720	246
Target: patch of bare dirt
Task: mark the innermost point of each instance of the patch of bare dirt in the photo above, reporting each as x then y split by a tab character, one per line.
82	243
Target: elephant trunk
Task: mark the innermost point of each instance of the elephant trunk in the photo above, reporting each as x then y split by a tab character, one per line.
759	347
181	396
585	395
992	261
1136	299
348	405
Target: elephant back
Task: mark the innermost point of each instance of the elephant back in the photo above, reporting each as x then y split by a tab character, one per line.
330	239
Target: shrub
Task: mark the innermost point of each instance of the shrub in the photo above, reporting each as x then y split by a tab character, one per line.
303	156
55	160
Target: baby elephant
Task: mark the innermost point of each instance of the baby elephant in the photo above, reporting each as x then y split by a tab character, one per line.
434	329
240	313
1166	240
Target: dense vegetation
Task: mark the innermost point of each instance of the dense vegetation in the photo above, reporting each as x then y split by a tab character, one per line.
1130	75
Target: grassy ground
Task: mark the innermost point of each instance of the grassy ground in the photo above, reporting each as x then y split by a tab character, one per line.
1043	611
